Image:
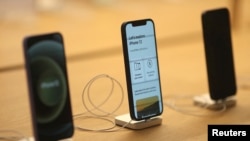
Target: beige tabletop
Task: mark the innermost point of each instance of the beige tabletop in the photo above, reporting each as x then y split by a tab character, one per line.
91	32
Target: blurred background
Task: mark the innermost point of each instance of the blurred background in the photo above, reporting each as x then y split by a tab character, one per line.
91	28
92	37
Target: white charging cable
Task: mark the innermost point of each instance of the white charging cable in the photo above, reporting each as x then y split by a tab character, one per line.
105	115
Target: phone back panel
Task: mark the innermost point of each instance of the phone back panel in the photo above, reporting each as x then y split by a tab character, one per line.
48	87
219	54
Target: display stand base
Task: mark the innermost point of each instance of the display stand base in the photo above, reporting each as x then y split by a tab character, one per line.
125	121
32	139
205	101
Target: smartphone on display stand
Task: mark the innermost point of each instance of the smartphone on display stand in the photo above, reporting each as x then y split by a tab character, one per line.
219	60
49	94
142	69
219	54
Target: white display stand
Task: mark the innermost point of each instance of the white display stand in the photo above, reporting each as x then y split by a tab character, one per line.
125	121
205	101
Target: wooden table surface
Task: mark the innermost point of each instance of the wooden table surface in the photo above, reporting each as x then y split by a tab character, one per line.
92	50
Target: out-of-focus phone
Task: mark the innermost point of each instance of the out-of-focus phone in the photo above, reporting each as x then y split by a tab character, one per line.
142	69
219	54
48	87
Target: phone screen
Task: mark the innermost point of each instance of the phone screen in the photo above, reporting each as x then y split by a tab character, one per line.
48	87
219	54
141	62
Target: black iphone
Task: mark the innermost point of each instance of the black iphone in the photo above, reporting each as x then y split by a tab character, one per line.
142	69
218	52
48	87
